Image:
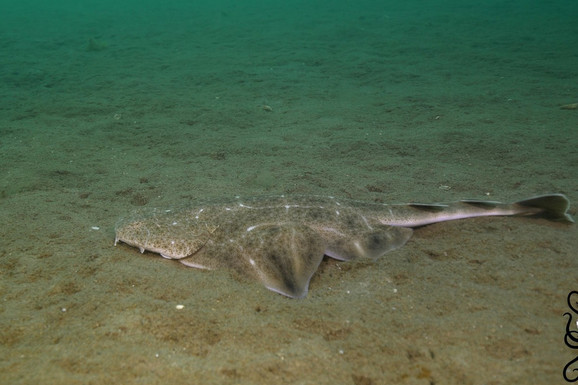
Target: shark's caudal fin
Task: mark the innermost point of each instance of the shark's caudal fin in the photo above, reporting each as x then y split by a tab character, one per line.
552	206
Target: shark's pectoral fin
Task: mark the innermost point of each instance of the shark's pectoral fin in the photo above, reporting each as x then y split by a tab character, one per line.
283	257
200	260
370	244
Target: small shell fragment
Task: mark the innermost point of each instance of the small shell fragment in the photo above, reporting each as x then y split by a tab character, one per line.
180	307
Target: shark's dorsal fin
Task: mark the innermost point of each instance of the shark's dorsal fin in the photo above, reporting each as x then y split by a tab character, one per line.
481	204
431	207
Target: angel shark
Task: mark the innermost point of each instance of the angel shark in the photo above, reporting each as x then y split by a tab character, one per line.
281	240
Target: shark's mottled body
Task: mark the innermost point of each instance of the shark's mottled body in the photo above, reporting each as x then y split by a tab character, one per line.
281	240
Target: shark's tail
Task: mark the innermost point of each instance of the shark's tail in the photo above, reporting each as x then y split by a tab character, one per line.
551	206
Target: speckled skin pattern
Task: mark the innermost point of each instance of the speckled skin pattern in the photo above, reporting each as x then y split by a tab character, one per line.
277	240
281	241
